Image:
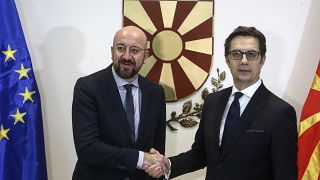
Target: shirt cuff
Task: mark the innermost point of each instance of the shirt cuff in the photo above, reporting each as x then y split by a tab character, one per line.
167	175
140	160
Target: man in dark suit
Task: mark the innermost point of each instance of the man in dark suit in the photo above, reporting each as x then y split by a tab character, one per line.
113	128
246	132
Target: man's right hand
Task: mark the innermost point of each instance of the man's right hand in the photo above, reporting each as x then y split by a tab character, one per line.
155	164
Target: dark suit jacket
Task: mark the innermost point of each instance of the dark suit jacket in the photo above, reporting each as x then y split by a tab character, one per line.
101	130
263	144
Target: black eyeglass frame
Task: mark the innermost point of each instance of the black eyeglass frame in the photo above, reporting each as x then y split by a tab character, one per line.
250	57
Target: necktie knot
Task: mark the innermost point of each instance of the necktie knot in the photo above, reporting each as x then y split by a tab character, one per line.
237	96
128	87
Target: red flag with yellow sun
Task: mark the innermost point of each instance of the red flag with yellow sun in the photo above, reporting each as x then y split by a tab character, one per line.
309	134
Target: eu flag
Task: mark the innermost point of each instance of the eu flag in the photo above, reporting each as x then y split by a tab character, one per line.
22	154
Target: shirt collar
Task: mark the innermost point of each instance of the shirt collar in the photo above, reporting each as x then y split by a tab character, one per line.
121	82
249	91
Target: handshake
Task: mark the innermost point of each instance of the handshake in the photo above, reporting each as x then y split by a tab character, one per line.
155	164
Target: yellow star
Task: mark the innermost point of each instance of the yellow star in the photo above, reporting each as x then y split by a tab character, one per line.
23	72
3	133
9	53
27	95
18	117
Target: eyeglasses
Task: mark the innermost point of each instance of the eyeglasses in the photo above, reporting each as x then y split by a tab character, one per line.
238	55
133	50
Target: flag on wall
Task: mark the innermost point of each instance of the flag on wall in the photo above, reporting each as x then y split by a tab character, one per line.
309	134
22	154
180	42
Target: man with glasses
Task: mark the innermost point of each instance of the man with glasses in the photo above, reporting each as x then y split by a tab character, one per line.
246	132
118	115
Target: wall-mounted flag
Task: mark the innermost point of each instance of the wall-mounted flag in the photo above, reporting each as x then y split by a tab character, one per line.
180	42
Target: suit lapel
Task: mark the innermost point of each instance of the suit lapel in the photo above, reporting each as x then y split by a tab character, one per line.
254	106
221	105
115	98
144	108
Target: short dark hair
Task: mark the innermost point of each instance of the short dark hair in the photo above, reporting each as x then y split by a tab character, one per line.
246	31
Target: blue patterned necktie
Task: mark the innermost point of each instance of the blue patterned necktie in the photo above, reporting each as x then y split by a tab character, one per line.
130	109
233	115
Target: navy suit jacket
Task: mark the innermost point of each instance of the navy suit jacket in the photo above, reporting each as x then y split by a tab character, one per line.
101	130
263	145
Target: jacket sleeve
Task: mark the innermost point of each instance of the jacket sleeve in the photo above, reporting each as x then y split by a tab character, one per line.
284	135
195	158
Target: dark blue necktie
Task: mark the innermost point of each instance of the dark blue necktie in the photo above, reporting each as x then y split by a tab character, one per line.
232	117
130	109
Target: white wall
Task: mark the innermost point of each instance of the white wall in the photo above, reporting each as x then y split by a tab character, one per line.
69	39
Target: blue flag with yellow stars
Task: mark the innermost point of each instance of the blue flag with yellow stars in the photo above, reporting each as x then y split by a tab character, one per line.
22	154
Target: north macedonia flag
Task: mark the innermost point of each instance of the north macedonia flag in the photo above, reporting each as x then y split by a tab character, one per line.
309	134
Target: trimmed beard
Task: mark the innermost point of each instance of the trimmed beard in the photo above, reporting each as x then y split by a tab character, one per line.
126	73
